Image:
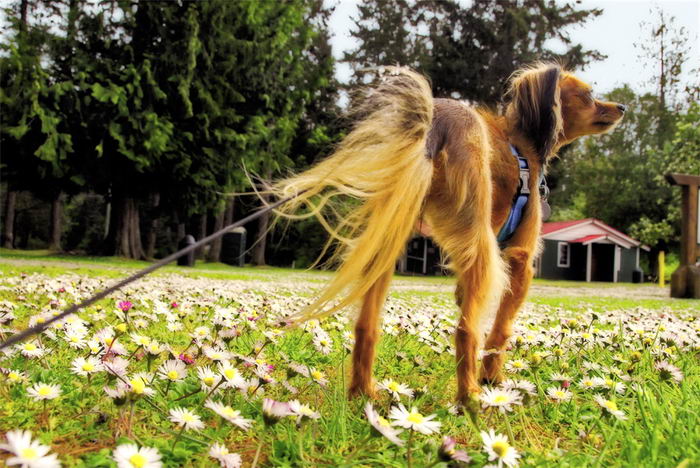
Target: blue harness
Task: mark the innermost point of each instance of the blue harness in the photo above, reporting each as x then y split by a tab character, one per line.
521	198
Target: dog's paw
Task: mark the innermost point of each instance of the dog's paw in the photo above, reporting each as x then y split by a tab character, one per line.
356	391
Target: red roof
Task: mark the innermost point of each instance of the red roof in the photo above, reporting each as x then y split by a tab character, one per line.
548	228
583	240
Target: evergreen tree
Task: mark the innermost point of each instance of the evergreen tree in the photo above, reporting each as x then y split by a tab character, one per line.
468	51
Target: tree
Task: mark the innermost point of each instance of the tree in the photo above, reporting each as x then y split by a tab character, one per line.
619	177
468	51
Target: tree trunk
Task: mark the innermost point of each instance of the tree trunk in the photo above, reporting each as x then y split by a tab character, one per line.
152	227
56	223
229	212
128	233
201	234
215	246
9	229
258	257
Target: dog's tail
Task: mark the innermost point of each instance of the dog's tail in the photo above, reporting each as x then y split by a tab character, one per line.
382	167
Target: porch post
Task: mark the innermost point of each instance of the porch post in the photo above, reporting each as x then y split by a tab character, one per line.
589	255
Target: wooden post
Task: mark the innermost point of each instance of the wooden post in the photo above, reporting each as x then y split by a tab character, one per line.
685	281
662	269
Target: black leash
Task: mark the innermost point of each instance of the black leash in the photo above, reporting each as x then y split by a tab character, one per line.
36	329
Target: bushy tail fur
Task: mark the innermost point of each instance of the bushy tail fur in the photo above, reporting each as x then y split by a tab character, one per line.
382	166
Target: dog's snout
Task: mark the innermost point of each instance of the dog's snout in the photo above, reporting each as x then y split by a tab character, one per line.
622	108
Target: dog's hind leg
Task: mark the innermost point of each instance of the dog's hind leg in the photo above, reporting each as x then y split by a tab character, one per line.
474	257
519	261
366	335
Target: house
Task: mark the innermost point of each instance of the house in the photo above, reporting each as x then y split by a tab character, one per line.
588	250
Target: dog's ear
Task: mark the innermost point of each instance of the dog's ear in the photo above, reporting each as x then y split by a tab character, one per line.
535	106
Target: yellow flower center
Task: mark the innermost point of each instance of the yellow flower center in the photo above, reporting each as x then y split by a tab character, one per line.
517	364
230	373
172	375
88	367
383	422
393	386
228	411
317	375
501	448
500	399
74	339
40	320
208	381
559	394
29	347
610	405
137	460
28	453
216	356
44	391
121	327
187	417
138	386
14	376
415	418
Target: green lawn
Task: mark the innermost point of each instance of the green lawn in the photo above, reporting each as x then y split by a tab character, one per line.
612	335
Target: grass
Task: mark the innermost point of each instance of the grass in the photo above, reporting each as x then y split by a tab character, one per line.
615	333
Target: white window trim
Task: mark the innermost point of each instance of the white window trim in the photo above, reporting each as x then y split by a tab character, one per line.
560	264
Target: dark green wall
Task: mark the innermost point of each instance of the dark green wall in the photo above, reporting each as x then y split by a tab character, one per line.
577	263
628	263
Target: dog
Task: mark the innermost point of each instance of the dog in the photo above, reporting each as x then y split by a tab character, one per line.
458	169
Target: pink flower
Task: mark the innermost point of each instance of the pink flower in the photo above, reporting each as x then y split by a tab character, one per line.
125	306
174	305
186	358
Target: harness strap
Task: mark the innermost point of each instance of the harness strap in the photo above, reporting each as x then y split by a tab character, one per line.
522	196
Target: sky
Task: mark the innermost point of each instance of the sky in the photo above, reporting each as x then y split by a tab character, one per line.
613	33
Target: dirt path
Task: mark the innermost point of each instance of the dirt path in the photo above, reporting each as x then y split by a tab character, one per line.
642	291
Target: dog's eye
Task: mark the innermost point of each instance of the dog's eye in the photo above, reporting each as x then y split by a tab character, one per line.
586	98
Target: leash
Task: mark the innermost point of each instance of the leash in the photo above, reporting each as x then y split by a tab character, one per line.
36	329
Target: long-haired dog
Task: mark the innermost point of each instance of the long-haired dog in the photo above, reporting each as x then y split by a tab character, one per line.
411	156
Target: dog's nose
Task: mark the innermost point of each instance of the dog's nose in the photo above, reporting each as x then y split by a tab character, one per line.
622	108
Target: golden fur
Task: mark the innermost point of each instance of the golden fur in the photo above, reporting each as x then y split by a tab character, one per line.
411	156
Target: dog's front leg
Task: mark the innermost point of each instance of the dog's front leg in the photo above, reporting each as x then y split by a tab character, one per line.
366	336
519	262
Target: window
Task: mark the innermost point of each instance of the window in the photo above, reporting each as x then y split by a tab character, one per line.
563	254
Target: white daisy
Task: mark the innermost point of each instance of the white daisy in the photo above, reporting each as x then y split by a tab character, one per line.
413	420
382	426
229	414
27	452
611	407
208	378
83	366
186	419
31	349
498	448
559	394
395	389
303	411
225	458
233	377
42	391
173	370
503	399
131	456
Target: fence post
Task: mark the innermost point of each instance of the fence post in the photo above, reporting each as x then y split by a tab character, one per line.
662	269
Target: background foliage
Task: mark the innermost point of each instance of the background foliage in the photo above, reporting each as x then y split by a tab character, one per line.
126	123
